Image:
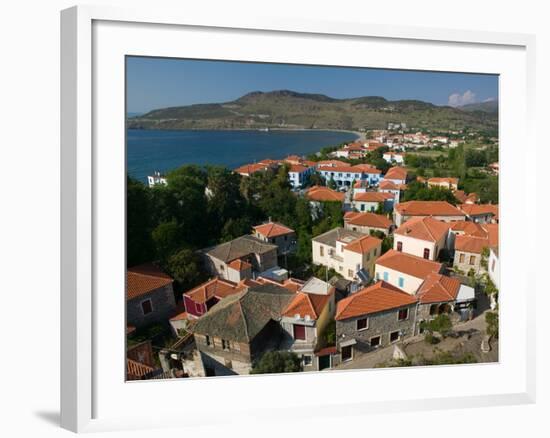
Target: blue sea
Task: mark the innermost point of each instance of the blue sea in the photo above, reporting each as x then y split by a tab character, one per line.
149	151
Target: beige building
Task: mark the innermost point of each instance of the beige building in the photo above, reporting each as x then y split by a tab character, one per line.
440	210
371	201
405	271
422	237
367	222
350	253
444	183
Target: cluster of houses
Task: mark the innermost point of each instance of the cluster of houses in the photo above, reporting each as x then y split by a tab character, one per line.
373	299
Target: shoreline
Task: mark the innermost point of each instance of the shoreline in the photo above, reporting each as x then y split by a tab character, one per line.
360	135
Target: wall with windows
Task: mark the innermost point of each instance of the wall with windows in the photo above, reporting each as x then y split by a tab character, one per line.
378	327
418	247
403	281
466	261
152	308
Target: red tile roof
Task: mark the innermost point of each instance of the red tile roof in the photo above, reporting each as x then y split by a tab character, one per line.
320	193
379	297
438	288
427	208
438	180
471	244
363	244
366	168
145	278
330	163
291	284
408	264
479	209
468	228
273	229
367	220
396	173
249	169
372	196
239	265
424	228
216	287
136	370
298	168
306	304
464	198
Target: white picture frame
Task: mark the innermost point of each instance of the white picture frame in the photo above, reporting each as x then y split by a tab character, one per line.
94	398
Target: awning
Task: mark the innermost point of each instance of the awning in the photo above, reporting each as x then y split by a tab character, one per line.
465	293
348	343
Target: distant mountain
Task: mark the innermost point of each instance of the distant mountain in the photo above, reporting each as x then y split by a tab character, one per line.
293	110
490	106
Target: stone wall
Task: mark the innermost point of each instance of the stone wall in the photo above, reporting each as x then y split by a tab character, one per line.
163	303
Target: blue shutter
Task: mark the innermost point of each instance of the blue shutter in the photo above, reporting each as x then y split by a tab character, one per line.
385	276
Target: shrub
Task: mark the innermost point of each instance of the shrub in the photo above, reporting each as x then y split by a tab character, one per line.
277	362
431	339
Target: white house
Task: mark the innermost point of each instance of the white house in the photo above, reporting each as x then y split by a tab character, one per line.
393	157
371	201
440	210
397	175
156	179
350	253
342	175
422	237
405	271
298	174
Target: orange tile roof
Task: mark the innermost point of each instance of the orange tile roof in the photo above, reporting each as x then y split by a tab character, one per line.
479	209
295	159
249	169
396	173
239	265
363	244
438	288
136	370
216	287
143	279
408	264
464	198
372	196
273	229
320	193
379	297
180	316
367	220
469	228
427	208
343	169
298	168
471	244
367	168
424	228
290	284
388	185
306	304
331	163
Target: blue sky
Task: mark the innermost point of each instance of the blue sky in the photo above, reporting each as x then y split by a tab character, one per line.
158	82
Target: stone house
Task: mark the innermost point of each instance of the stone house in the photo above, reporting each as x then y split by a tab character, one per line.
367	222
421	236
440	210
470	239
372	201
374	317
277	234
149	296
440	294
243	257
350	253
404	271
305	320
240	328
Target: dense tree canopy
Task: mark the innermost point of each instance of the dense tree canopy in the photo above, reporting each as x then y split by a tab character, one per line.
278	362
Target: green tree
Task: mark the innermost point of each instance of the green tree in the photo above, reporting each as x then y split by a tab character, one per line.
277	362
491	321
185	267
166	240
139	223
440	324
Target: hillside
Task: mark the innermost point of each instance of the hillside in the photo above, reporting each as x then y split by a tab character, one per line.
292	110
488	107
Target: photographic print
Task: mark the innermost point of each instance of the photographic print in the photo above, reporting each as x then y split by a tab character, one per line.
287	218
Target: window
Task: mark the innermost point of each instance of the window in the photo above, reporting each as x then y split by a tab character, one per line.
394	336
347	353
342	248
386	276
427	253
401	282
461	258
399	246
340	268
225	344
433	309
375	251
362	324
299	332
321	251
403	314
375	342
222	267
472	260
306	360
207	340
377	276
146	307
362	207
350	272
